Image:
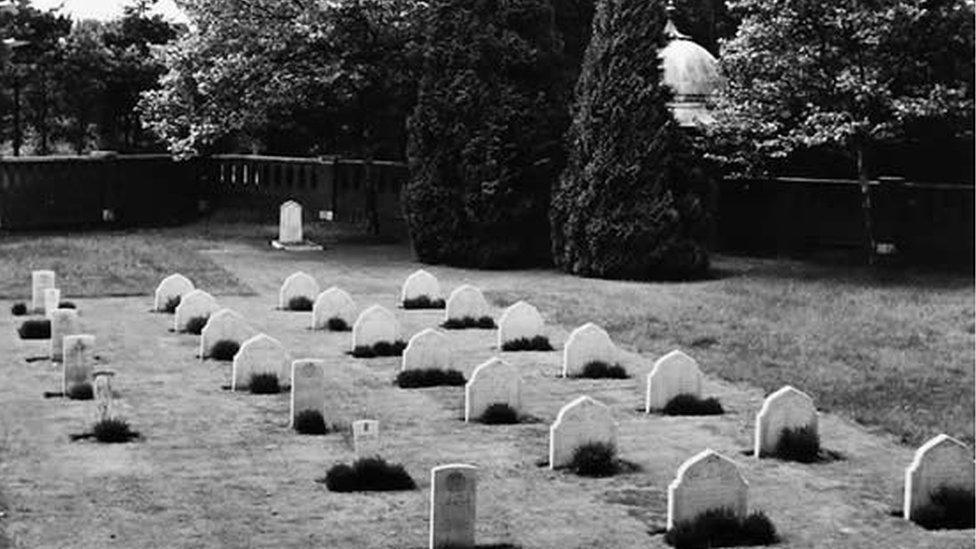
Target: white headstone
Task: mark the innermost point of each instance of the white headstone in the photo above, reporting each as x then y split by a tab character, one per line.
290	223
466	301
307	387
333	303
40	281
78	361
787	408
708	481
103	394
52	300
673	374
224	324
375	324
942	462
64	322
259	355
297	285
588	343
174	285
429	348
452	506
580	422
195	303
366	437
420	283
520	320
494	382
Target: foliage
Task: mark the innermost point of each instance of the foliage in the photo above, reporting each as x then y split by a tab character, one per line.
722	528
598	369
594	459
380	349
224	349
300	303
629	203
18	309
429	377
80	391
692	405
949	508
264	383
423	302
499	413
336	324
113	430
371	474
537	343
195	325
310	422
171	304
801	444
35	329
483	323
67	305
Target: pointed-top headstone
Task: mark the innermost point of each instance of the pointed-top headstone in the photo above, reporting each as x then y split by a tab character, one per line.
582	421
333	303
673	374
193	304
787	408
375	324
706	482
520	320
494	382
941	463
420	283
588	343
427	349
173	286
297	284
466	301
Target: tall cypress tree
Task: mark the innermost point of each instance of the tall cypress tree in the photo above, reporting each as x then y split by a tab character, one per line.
628	204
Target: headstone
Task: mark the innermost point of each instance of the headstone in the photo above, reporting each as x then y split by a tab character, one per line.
942	462
333	303
194	304
174	285
708	481
52	300
290	223
40	281
103	394
366	437
494	382
307	387
466	301
297	285
78	361
260	354
786	408
673	374
429	348
420	283
224	324
580	422
520	320
452	506
375	324
64	322
586	344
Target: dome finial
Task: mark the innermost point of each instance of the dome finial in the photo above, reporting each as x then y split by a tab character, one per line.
671	32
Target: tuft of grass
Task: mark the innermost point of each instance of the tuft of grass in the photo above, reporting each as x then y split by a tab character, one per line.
691	405
336	324
483	323
499	414
35	329
224	349
80	391
67	305
18	309
429	377
364	351
537	343
722	528
423	302
113	430
595	459
379	349
601	370
801	445
948	508
264	383
372	474
171	304
310	422
300	303
195	325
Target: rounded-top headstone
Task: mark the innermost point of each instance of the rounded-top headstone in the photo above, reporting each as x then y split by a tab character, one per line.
452	506
708	481
494	382
225	324
40	281
307	387
174	285
375	324
420	283
787	408
673	374
466	301
941	463
261	354
520	320
333	303
193	304
290	223
588	343
427	349
582	421
64	322
297	285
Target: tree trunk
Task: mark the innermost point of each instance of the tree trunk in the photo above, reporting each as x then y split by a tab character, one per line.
866	208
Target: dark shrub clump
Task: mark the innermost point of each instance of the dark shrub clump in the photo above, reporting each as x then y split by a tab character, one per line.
537	343
171	304
595	459
35	329
336	324
67	305
300	303
423	302
499	414
368	475
601	370
264	383
484	323
310	422
225	349
195	325
429	377
722	528
81	391
949	508
691	405
18	309
801	445
113	430
363	351
381	348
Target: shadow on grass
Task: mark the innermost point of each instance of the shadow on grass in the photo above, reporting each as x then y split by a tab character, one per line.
823	456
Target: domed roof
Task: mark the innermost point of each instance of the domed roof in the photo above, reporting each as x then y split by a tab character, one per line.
688	68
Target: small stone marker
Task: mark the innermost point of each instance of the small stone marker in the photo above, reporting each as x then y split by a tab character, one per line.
942	462
708	481
333	303
52	300
429	348
673	374
224	324
582	421
452	506
786	408
64	322
174	285
420	283
366	437
466	301
520	320
78	360
307	387
260	354
297	285
375	324
290	223
586	344
494	382
104	397
195	303
40	281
